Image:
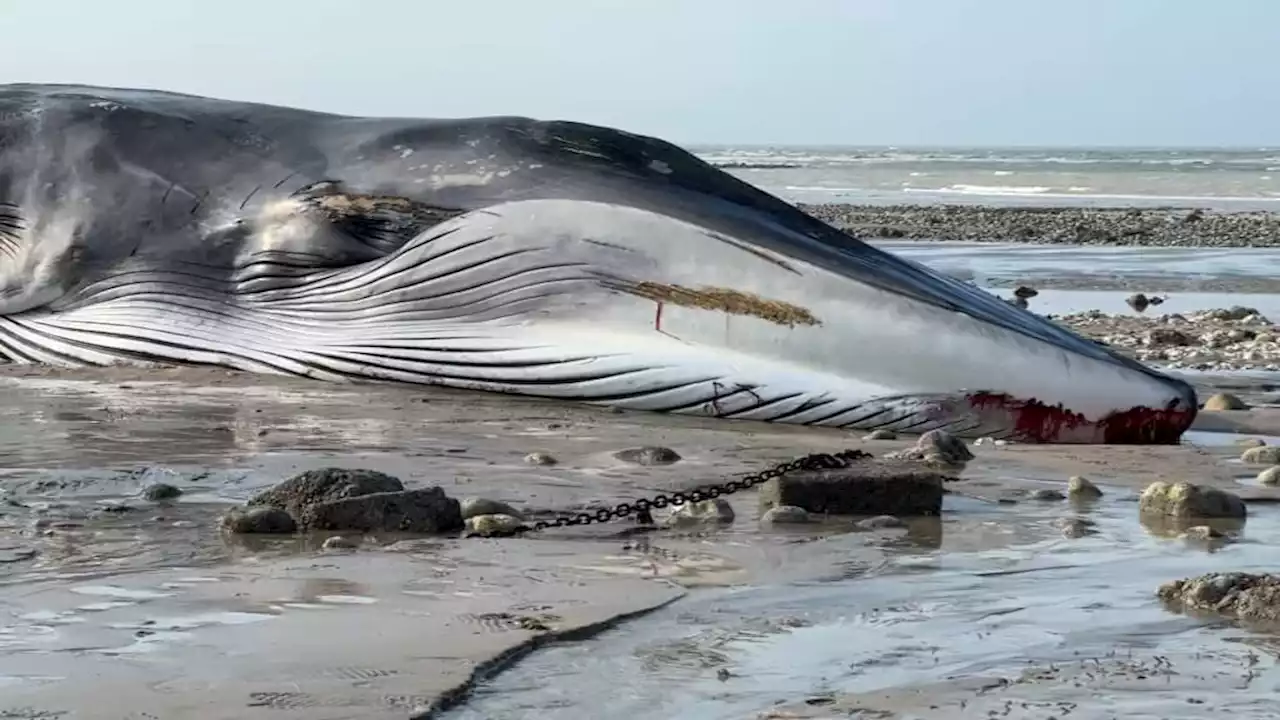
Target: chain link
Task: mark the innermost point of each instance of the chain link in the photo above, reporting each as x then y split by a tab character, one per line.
641	508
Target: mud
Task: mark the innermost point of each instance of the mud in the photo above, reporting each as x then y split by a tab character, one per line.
106	593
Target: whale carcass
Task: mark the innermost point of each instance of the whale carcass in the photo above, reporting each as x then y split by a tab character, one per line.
505	254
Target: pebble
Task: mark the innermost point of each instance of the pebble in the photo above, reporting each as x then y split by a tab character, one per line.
648	455
1075	527
540	458
1224	401
258	520
1080	488
1046	494
161	491
1270	476
707	512
495	525
474	506
785	515
880	522
338	542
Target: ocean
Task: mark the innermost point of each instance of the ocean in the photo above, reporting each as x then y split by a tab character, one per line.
1228	179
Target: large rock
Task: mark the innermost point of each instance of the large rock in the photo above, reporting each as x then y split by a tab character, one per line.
1186	500
865	487
1244	596
1224	401
938	448
300	494
427	510
361	500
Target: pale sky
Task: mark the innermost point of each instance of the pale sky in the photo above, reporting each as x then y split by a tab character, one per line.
845	72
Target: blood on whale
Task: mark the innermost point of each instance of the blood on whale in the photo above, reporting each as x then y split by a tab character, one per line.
1034	421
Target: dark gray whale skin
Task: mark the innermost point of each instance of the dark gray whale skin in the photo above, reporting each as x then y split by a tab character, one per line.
486	253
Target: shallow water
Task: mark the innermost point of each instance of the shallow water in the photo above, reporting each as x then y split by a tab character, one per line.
921	618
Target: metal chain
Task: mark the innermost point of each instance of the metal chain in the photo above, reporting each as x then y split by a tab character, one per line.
640	508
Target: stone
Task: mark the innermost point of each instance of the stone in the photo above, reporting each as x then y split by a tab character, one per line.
1024	292
881	434
1261	455
426	510
1238	595
1074	528
715	511
540	458
1138	301
1270	476
880	522
263	519
338	542
1046	494
1080	488
1224	401
300	494
474	506
648	455
1185	500
937	448
160	491
495	525
866	487
785	515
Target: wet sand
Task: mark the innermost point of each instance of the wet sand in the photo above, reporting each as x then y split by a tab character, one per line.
104	594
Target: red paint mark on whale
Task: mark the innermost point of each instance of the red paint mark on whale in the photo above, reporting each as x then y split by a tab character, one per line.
1033	421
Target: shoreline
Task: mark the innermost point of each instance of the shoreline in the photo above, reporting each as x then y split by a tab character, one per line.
1043	225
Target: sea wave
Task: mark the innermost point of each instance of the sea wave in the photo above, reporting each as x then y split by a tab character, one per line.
1183	160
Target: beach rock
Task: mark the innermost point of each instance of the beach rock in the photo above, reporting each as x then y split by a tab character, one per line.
540	458
159	492
1080	488
338	543
1075	528
1184	500
426	510
1242	596
881	435
866	487
786	515
1261	455
264	520
880	522
1224	401
495	525
707	512
1168	337
1046	494
1024	292
938	448
474	506
300	494
1270	476
648	455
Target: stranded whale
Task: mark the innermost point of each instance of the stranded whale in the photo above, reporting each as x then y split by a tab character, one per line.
550	259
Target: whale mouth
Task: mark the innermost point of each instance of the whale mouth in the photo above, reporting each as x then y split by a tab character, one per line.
555	260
